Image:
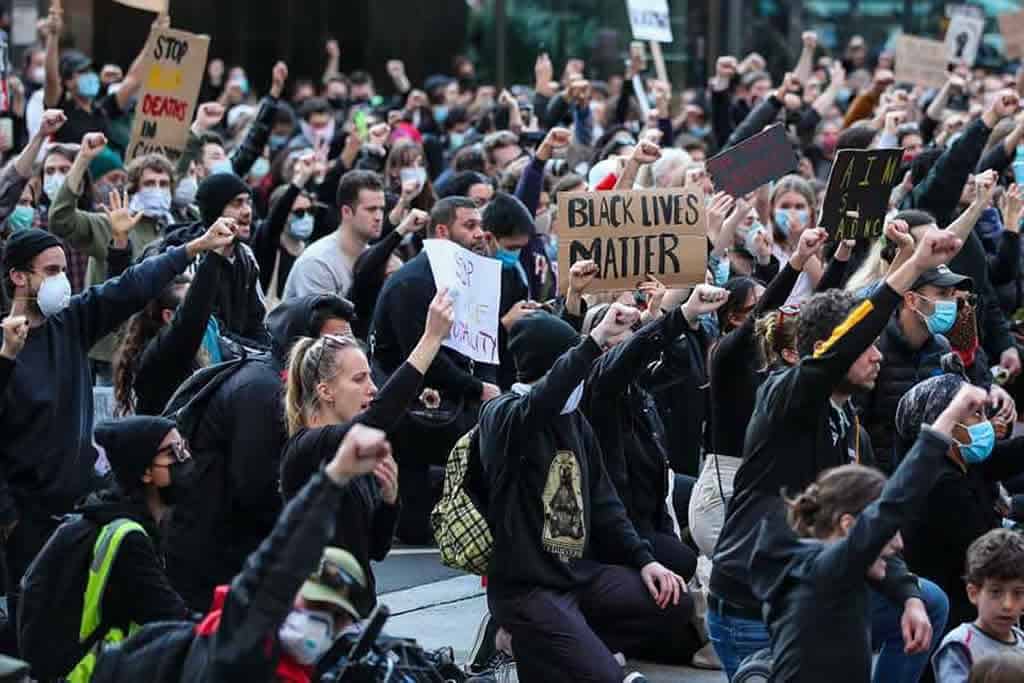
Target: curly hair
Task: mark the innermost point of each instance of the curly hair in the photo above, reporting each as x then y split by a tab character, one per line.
138	331
149	162
776	332
996	555
820	316
846	490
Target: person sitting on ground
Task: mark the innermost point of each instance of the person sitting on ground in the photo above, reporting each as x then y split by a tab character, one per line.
847	524
570	578
995	585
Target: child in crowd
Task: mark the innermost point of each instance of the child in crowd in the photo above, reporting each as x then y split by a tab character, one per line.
995	585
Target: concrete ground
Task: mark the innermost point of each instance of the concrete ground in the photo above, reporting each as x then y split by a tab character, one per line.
440	607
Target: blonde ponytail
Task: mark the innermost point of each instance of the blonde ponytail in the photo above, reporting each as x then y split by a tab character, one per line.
309	363
294	397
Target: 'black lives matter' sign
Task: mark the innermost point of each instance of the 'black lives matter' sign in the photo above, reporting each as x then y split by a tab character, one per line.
757	160
857	197
632	235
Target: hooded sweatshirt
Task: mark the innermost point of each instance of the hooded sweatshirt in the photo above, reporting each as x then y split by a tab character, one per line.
237	448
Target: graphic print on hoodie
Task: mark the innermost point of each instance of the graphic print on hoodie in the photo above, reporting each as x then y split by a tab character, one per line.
565	534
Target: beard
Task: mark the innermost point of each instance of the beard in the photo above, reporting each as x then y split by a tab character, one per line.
848	388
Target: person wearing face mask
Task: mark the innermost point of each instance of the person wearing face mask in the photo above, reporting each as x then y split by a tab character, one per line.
151	466
18	195
280	615
206	148
73	85
46	380
316	124
330	387
144	219
965	502
912	346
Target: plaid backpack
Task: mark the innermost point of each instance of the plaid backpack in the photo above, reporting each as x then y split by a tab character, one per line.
459	518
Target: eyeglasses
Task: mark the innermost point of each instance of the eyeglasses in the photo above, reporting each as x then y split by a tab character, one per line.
178	449
333	576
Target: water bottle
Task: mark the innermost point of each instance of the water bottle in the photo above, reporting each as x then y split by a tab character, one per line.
1018	165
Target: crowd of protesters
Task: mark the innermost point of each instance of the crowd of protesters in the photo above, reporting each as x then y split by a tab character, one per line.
804	466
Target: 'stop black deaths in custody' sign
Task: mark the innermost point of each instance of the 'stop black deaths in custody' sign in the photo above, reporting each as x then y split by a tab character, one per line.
757	160
857	197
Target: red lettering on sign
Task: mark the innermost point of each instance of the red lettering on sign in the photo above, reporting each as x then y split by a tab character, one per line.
164	107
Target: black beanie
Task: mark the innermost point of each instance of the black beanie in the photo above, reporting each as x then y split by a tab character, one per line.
506	216
25	245
536	341
131	444
216	192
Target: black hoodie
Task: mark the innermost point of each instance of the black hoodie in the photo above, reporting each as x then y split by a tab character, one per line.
237	447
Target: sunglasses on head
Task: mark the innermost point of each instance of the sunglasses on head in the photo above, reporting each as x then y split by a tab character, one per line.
178	449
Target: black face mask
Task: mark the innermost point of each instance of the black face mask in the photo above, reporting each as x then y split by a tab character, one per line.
182	476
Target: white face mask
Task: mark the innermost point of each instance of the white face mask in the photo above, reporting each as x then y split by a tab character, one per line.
52	184
307	635
54	295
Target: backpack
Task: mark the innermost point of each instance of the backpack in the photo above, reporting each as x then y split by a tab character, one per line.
156	653
60	623
459	519
187	405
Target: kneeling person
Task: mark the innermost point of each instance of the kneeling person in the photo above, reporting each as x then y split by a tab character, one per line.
570	578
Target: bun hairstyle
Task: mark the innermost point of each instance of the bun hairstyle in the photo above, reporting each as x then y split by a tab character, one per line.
776	332
815	513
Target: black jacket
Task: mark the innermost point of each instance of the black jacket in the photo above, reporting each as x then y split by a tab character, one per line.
902	368
237	448
239	642
170	357
46	406
366	524
680	389
265	240
818	603
793	436
959	509
238	302
625	421
138	571
552	507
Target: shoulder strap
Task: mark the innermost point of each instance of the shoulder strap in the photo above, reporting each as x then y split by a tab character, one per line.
104	553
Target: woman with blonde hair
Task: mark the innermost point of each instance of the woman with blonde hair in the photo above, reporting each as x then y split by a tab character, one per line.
794	209
329	388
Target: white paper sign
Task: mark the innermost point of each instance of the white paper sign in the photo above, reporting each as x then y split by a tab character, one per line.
24	16
650	20
963	38
474	284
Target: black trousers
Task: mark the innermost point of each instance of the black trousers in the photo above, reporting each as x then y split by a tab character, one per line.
571	636
25	542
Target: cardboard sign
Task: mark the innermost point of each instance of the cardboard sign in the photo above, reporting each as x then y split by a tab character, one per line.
474	284
173	73
650	20
857	198
24	16
158	6
757	160
963	38
632	235
1011	26
921	61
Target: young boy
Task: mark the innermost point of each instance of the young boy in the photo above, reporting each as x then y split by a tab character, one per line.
995	585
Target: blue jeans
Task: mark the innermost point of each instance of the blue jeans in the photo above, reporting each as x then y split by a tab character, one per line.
735	639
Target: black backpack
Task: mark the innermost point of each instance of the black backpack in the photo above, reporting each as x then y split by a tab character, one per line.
187	405
50	611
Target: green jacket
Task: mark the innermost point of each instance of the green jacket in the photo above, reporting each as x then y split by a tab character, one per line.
90	233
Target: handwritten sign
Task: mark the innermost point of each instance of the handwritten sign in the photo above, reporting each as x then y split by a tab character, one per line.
474	284
173	72
632	235
921	61
757	160
650	20
857	197
1011	26
963	38
158	6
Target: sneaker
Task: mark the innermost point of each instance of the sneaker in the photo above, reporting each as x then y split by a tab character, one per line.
635	677
706	658
500	669
484	646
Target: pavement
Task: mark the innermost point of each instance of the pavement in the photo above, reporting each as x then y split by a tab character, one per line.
441	607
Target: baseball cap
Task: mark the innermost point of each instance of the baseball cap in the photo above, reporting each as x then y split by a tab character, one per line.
336	581
73	62
942	276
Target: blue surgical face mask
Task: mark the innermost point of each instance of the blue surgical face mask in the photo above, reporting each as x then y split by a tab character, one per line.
440	113
301	228
52	184
721	271
22	218
942	318
755	229
222	166
983	440
508	257
456	139
89	85
151	201
782	222
185	193
278	141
